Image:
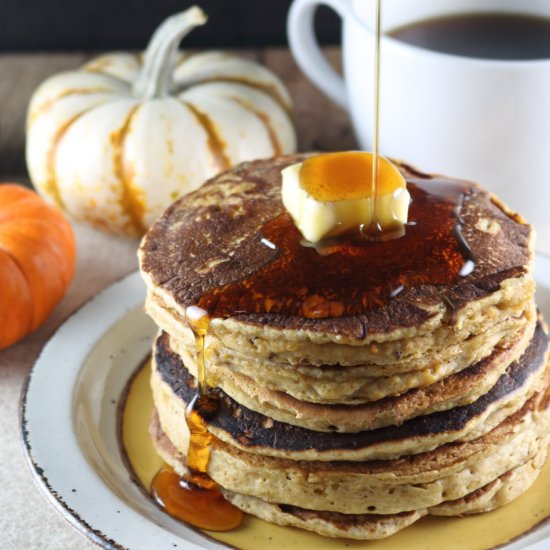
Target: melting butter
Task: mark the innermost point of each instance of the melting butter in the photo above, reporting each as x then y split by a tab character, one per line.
331	194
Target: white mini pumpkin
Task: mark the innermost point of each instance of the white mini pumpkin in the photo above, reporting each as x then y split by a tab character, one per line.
115	142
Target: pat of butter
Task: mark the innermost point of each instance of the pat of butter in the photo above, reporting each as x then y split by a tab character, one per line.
330	194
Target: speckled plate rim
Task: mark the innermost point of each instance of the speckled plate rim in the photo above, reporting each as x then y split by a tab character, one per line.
69	426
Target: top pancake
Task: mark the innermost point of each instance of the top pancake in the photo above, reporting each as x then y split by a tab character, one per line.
230	248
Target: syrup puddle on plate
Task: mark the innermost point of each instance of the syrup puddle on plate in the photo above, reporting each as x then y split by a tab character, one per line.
479	532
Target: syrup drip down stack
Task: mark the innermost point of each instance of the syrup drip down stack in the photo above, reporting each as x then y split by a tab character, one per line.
360	385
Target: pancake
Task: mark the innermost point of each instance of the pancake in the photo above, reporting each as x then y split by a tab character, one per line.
314	371
239	426
363	383
365	526
358	385
456	390
497	493
203	253
503	490
450	473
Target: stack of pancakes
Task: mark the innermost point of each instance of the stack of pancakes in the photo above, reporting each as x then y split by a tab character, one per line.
358	422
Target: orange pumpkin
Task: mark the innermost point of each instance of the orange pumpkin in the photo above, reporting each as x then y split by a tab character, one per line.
37	260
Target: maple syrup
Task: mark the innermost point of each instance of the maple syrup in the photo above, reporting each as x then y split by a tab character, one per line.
199	409
352	275
195	498
352	171
374	229
198	320
203	508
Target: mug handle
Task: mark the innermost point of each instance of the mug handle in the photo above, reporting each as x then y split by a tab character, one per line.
306	50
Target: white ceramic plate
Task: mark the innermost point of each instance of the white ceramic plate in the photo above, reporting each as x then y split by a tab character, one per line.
69	426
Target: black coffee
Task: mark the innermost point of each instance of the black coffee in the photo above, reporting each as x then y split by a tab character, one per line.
485	35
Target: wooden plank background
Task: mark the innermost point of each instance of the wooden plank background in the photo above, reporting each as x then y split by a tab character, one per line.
320	124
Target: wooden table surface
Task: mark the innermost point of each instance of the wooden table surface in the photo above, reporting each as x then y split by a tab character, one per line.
27	521
320	124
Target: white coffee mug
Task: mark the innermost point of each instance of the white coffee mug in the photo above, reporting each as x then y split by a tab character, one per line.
479	119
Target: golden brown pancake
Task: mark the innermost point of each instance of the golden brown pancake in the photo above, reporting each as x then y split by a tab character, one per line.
460	388
370	526
402	364
360	385
210	249
449	472
174	387
301	321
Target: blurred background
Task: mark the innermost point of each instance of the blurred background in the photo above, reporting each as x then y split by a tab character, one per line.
39	39
31	25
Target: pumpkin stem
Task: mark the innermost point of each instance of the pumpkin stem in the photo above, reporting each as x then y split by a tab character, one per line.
155	79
